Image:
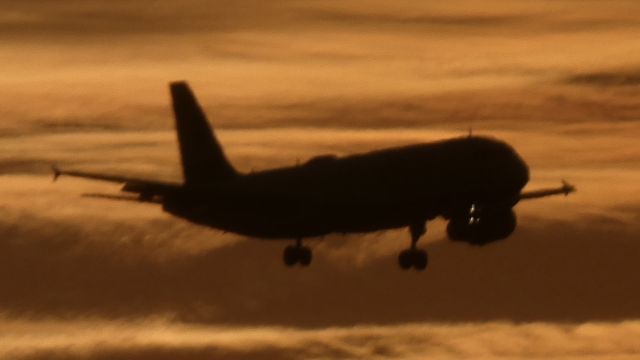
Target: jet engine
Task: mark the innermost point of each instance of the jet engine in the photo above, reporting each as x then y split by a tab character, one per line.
482	226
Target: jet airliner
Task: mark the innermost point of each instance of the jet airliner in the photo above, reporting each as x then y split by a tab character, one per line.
472	182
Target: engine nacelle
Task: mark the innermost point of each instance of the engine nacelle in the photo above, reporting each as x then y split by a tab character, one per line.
483	227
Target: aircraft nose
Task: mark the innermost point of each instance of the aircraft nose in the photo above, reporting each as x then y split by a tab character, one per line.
521	172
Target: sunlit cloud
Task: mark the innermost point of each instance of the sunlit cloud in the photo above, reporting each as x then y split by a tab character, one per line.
158	338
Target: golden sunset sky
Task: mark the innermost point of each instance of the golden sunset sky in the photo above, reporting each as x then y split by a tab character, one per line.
84	86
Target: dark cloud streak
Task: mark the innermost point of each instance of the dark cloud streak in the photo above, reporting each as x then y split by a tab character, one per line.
185	353
386	19
489	20
607	78
78	19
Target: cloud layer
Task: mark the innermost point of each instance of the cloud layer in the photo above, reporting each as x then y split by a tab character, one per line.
159	339
69	256
84	86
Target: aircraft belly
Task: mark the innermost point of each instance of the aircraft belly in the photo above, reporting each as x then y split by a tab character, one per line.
304	216
271	216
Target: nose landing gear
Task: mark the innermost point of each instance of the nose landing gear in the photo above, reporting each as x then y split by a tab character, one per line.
414	257
297	254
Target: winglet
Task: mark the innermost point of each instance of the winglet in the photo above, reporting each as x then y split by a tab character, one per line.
567	188
56	172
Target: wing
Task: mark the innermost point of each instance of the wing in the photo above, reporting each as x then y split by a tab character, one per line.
146	189
565	189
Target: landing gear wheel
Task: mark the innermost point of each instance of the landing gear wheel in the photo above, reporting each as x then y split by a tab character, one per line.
405	260
304	256
297	254
290	255
420	259
413	258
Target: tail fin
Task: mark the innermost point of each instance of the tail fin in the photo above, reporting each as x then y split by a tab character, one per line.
203	160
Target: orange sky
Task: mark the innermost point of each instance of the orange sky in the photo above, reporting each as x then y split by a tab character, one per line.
84	85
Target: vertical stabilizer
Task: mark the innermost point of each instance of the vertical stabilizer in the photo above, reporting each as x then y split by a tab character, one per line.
203	161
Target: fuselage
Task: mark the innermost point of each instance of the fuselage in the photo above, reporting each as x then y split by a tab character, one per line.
378	190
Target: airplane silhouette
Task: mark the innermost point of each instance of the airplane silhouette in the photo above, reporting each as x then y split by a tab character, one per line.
473	182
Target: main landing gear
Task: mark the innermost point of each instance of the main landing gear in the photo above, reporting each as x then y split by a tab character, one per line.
409	258
414	257
297	254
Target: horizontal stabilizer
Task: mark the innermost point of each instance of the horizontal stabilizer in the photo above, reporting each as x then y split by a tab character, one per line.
143	199
143	187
